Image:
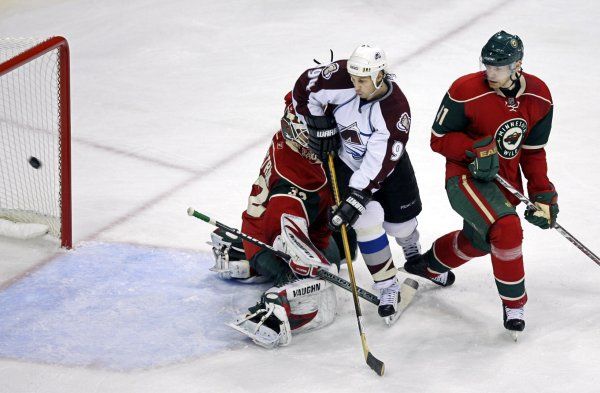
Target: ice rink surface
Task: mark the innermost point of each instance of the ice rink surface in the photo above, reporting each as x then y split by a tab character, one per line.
174	104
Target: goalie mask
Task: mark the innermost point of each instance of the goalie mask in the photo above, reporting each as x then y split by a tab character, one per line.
292	128
294	131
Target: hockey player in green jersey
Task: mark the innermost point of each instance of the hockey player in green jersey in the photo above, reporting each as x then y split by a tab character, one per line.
496	121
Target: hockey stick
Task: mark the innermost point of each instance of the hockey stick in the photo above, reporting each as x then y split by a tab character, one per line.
557	226
376	365
325	275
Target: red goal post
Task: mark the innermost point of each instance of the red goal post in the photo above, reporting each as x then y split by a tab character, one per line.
35	134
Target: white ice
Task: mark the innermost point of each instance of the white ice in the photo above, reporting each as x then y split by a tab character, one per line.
174	104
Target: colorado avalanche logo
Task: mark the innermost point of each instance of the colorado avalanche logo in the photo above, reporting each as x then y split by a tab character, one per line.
509	137
352	141
330	70
404	123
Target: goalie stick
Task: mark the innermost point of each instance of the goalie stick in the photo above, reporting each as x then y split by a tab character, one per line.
323	274
557	226
410	286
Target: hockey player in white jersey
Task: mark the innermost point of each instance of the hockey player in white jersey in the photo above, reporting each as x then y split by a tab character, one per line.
353	108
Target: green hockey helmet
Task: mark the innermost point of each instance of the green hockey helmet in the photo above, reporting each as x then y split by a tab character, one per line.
502	49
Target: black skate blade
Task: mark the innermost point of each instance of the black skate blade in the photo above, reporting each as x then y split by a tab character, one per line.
375	364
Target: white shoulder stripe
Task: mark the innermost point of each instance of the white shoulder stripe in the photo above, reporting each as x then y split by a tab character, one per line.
471	99
540	97
436	134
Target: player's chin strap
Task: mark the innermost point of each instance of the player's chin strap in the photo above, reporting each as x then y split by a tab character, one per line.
376	88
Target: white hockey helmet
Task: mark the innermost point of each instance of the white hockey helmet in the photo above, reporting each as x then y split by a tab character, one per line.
367	60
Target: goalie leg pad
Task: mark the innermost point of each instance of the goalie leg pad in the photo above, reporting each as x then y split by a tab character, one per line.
312	303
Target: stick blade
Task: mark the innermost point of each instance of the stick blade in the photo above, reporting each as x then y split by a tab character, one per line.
375	364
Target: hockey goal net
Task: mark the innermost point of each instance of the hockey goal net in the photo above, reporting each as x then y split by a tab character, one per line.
35	148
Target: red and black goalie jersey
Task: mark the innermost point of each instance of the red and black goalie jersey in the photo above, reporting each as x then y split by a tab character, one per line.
289	182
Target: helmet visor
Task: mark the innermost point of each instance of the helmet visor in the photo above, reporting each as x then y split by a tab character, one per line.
498	74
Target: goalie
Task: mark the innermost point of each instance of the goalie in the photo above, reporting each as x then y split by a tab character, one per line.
288	208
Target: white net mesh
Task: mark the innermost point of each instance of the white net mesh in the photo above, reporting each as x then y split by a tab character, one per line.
30	135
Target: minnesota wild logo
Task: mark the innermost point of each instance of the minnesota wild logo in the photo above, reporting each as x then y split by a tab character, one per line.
509	137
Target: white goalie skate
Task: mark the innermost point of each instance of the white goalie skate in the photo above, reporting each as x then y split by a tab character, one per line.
309	304
268	326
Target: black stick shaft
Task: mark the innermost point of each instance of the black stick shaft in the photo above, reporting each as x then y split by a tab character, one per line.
323	274
557	226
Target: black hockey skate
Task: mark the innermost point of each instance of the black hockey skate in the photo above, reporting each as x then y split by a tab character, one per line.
417	265
513	320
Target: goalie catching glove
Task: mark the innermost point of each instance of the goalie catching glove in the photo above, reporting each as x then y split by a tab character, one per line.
305	259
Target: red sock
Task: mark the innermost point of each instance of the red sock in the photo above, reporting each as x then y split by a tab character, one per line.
506	239
451	251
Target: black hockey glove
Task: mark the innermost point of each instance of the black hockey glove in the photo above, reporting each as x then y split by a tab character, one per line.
323	136
350	208
545	216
